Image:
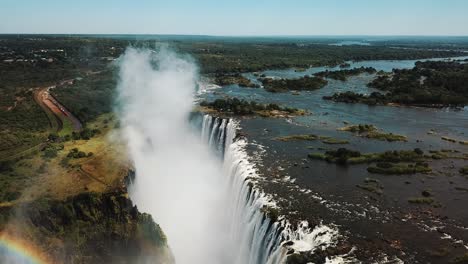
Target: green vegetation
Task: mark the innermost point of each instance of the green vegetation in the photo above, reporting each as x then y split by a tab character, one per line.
257	54
430	83
48	171
67	127
397	168
371	185
306	137
370	131
47	60
284	85
51	150
312	137
449	139
340	156
389	162
361	128
334	141
444	154
98	228
349	97
89	97
105	227
243	107
25	124
421	200
84	134
39	62
236	78
76	154
342	75
464	170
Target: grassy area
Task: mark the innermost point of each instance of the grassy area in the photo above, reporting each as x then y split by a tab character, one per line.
372	132
399	168
421	200
312	137
389	162
334	141
305	137
67	127
346	156
446	154
453	140
371	185
53	174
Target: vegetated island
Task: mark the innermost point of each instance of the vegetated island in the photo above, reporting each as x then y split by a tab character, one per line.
389	162
312	137
235	78
305	83
342	75
235	106
428	84
371	131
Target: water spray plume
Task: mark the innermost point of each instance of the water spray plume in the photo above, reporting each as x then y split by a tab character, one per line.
208	206
177	176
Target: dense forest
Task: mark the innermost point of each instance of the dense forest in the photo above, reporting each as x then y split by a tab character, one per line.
228	57
242	107
430	83
89	97
284	85
31	61
342	75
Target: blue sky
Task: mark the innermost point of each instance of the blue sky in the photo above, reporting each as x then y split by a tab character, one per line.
240	17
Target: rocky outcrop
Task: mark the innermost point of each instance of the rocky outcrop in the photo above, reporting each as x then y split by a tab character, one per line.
90	228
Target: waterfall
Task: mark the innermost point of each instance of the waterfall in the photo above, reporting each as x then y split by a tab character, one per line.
211	211
257	239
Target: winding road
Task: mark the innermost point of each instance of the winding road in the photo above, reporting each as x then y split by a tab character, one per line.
43	97
57	115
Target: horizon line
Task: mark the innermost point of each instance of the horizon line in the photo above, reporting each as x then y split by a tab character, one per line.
239	36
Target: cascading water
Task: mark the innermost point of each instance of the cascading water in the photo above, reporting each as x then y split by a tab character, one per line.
210	210
256	236
259	239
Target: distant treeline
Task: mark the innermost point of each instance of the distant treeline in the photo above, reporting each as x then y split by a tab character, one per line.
430	83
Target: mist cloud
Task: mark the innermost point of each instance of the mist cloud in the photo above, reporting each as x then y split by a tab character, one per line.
178	180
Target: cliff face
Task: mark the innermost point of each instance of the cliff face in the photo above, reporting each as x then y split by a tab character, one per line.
89	228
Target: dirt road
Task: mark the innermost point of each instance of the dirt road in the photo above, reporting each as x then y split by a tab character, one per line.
59	113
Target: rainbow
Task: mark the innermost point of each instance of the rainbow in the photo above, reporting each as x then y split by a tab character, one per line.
18	251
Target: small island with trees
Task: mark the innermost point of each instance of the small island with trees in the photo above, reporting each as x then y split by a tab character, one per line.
235	106
236	78
305	83
428	84
342	75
